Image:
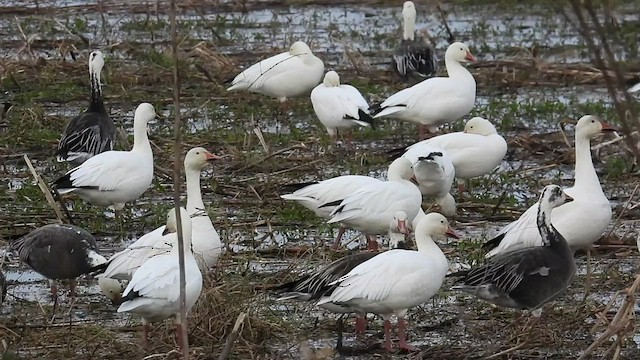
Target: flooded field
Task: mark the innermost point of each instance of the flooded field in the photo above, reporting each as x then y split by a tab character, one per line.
533	79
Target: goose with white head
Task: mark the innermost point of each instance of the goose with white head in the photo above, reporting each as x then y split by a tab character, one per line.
113	178
434	173
530	277
339	106
438	100
93	131
396	280
371	208
289	74
581	222
154	290
413	56
313	286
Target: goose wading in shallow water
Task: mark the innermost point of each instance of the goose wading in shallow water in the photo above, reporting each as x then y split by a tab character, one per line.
113	178
313	286
413	56
322	197
434	174
289	74
438	100
91	132
154	289
582	221
394	281
339	106
475	151
530	277
370	208
59	252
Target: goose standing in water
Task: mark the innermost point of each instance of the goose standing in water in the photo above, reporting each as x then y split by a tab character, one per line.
313	286
289	74
396	280
59	252
154	290
113	178
530	277
413	56
91	132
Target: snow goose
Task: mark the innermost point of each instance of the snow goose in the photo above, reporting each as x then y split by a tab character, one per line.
91	132
285	75
437	100
59	252
530	277
434	174
313	286
324	196
475	151
395	280
413	56
371	208
115	177
582	221
339	106
154	290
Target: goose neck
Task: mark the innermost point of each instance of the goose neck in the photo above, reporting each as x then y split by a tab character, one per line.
456	70
408	28
194	194
96	104
585	174
140	137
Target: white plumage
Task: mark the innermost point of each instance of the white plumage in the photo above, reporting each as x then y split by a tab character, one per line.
434	173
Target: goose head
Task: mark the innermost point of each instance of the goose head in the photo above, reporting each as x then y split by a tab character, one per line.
400	169
331	79
111	288
143	115
400	222
552	196
459	52
299	48
96	62
172	221
197	158
589	126
435	224
479	126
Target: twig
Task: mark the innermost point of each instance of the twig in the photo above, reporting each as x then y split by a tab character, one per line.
45	190
626	205
231	339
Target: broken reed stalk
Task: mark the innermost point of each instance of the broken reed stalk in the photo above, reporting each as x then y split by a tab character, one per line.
231	339
177	180
45	190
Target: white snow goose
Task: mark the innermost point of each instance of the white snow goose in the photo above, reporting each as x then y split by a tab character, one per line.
59	252
115	177
289	74
530	277
371	208
394	281
475	151
339	106
438	100
413	56
582	221
434	174
91	132
312	287
154	290
322	197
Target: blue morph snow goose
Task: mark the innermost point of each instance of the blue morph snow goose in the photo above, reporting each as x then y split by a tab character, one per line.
530	277
91	132
289	74
413	56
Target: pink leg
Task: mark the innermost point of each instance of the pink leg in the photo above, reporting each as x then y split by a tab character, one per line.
372	244
361	325
387	336
145	334
461	188
336	244
402	336
54	294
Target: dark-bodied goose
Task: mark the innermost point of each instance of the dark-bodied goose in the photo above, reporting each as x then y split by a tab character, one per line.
396	280
59	252
91	132
530	277
413	56
3	287
313	286
581	222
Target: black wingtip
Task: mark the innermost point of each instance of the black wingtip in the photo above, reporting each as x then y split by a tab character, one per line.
332	203
366	118
375	109
289	188
63	182
430	156
493	242
98	269
229	80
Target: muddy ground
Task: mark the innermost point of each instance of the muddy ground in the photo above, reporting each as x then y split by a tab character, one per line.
533	78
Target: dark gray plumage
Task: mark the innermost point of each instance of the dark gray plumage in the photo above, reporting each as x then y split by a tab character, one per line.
415	57
91	132
527	278
3	287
